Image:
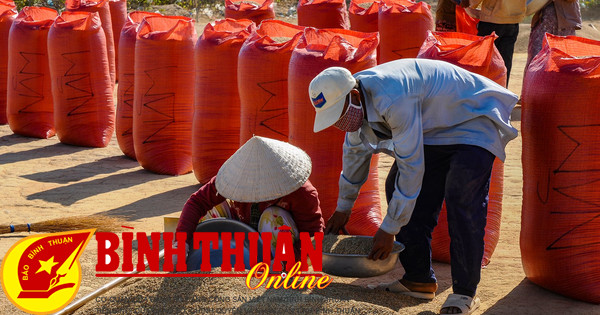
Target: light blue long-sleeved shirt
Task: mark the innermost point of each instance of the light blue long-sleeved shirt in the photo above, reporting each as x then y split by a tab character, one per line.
416	102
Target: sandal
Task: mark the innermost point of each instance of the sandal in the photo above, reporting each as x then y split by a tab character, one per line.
464	303
415	289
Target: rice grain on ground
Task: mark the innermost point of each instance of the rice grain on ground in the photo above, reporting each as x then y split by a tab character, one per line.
217	295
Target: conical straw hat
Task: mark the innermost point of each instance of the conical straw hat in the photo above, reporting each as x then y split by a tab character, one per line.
263	169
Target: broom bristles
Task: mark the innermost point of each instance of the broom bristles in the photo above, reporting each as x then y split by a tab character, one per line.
101	223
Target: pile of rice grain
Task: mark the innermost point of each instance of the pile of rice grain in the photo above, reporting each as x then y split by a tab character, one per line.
256	4
280	39
349	245
213	295
365	5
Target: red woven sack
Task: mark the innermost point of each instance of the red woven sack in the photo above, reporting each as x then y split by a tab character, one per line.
403	27
262	80
478	55
7	16
323	13
464	22
125	88
316	51
253	10
216	128
164	94
363	15
103	9
84	112
30	109
118	16
471	52
560	221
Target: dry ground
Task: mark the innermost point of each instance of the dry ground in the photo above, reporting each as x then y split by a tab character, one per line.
44	179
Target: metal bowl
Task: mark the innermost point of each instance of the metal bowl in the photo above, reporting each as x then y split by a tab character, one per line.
359	266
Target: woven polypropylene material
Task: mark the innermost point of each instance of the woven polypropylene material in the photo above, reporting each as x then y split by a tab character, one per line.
403	27
560	225
323	14
118	17
471	52
364	19
164	94
464	22
103	9
317	51
216	126
262	80
30	109
253	10
82	89
7	16
126	78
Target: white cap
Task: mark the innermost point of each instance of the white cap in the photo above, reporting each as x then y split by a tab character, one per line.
263	169
328	91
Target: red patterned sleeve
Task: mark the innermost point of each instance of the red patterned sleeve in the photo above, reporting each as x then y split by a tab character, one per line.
197	206
306	210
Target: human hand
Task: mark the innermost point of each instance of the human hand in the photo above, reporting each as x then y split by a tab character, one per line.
337	222
175	258
383	242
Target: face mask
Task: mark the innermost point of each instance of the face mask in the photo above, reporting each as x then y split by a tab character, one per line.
352	119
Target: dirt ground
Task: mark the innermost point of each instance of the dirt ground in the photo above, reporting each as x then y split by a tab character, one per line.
44	179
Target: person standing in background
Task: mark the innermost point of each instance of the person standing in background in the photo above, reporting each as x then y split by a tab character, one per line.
501	17
558	17
445	16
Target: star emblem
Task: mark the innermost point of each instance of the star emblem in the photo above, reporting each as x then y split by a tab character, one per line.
47	265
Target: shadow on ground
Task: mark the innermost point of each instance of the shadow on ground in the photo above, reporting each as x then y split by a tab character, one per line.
86	170
156	205
16	139
41	152
390	300
68	195
393	301
550	303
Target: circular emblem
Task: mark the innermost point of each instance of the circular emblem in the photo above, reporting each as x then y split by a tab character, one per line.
41	274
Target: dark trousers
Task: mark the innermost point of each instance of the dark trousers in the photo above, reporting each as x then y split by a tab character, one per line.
507	37
460	174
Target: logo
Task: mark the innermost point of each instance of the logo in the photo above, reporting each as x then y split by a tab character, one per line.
41	274
319	101
229	250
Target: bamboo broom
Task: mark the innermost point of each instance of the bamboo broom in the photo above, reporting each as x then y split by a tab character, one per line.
101	223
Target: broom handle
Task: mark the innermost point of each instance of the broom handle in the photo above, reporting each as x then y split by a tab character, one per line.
79	303
16	228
